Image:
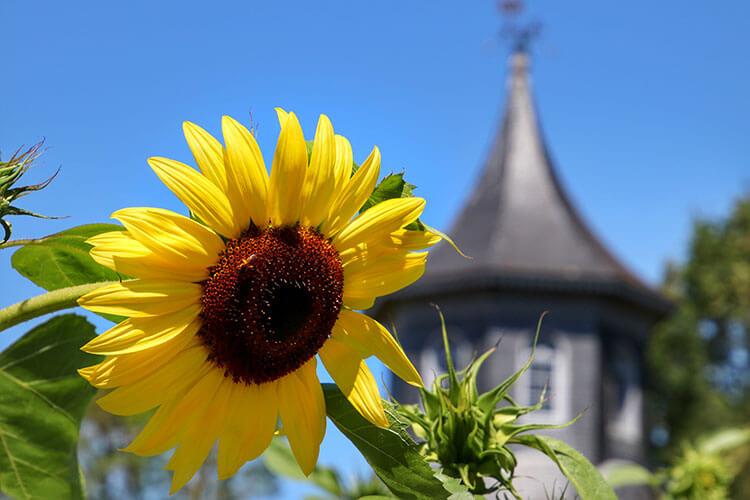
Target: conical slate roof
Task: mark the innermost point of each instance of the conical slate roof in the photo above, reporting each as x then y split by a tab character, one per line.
519	226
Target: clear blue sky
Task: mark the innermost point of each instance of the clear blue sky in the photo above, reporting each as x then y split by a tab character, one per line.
644	105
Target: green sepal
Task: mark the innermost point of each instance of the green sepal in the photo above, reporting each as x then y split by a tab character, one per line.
10	172
425	227
7	230
454	387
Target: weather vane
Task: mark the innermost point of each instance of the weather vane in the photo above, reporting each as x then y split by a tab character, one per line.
520	34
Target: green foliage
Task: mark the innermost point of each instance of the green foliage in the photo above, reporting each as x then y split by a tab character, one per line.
698	476
392	186
42	402
629	474
704	469
62	259
584	477
698	387
391	453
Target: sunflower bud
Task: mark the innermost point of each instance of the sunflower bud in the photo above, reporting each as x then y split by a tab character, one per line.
467	432
10	172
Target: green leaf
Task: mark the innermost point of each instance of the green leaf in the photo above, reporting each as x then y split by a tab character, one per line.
392	455
628	474
42	403
392	186
724	440
581	473
454	485
62	260
280	460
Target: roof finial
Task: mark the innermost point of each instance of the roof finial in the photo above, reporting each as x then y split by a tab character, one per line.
520	34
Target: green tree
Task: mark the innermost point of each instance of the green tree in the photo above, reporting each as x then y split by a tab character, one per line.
699	374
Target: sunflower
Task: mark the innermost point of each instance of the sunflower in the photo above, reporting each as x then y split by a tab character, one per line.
229	309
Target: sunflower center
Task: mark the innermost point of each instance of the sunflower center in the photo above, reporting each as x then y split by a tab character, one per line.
270	302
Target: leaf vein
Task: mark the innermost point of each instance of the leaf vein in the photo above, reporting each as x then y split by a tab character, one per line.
35	353
39	395
12	461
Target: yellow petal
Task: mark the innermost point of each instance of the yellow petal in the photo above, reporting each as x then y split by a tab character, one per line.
287	173
370	338
172	236
302	412
282	116
155	435
159	387
379	221
147	266
354	194
142	298
379	277
355	380
365	256
137	334
343	166
111	237
129	368
208	153
404	239
247	170
248	427
363	253
121	252
178	414
200	195
319	183
359	304
198	439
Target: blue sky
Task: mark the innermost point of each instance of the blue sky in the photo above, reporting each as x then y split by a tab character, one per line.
644	104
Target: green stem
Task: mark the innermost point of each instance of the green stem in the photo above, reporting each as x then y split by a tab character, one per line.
56	300
28	241
19	243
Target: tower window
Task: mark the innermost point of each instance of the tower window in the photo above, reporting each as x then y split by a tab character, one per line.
541	375
551	370
540	378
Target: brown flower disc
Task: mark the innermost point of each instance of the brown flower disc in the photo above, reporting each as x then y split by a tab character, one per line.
270	302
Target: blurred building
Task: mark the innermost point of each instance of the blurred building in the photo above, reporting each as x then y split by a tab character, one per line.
532	252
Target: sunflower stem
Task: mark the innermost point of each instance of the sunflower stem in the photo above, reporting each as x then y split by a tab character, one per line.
56	300
20	243
28	241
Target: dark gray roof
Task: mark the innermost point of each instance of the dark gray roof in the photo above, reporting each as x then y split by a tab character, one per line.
518	222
